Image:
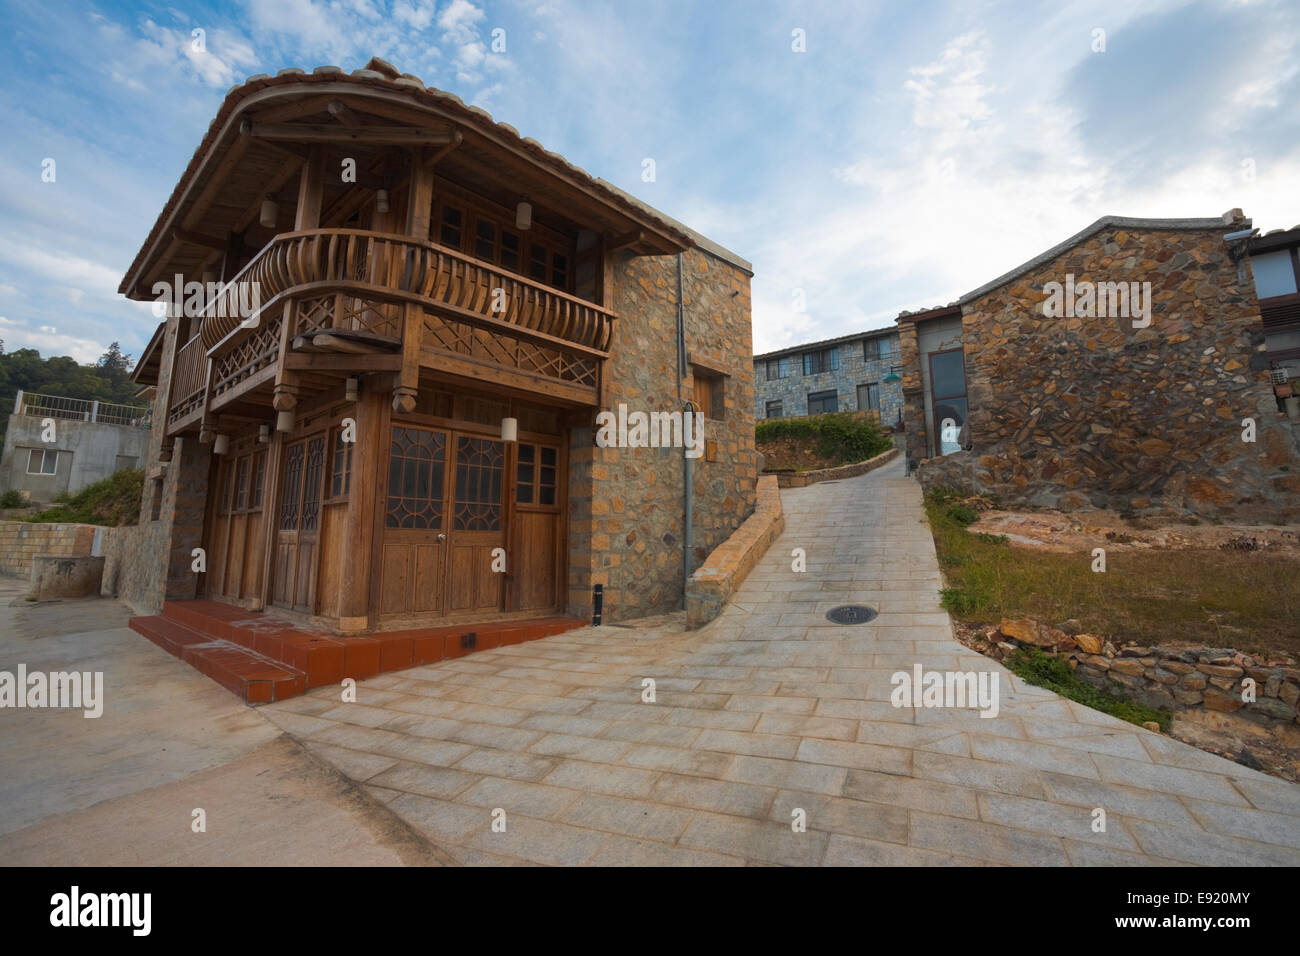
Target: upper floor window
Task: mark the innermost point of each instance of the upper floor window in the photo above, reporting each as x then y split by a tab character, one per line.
486	235
883	348
826	360
778	368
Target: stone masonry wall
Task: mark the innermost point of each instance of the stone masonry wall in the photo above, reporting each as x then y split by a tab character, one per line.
151	562
21	541
792	391
1077	412
626	521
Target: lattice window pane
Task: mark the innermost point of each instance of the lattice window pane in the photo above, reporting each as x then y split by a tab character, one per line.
416	469
479	466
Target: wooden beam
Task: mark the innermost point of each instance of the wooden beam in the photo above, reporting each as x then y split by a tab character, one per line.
276	183
323	361
197	239
311	189
625	240
340	111
372	135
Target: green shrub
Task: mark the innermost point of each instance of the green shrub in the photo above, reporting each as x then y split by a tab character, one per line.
841	437
962	514
13	498
113	501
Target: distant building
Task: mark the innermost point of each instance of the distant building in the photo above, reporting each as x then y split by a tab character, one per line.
858	372
91	440
1133	366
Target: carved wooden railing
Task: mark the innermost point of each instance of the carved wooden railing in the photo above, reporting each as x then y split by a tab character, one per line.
374	273
189	380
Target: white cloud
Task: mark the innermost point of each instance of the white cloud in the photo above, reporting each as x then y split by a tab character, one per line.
458	20
48	342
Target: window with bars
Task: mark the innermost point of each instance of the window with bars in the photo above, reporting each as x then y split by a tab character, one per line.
825	360
778	368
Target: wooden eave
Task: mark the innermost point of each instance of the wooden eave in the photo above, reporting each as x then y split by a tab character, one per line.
233	170
145	373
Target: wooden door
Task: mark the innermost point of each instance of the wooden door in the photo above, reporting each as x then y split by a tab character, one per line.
412	565
235	527
298	528
477	526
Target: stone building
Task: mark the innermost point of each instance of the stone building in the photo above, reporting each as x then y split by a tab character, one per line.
1125	368
856	372
55	445
382	411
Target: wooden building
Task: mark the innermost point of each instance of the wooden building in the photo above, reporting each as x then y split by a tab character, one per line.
378	411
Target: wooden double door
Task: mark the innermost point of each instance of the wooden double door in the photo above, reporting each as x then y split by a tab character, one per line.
444	528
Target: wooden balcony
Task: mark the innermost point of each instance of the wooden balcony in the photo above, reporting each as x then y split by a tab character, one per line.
383	302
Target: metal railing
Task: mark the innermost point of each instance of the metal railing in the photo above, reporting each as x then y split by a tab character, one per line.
80	409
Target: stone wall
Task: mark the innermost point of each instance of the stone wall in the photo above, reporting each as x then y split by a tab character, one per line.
1076	412
792	391
1166	677
151	562
21	541
730	563
626	523
804	478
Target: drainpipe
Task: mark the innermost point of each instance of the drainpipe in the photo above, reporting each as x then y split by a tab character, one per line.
688	464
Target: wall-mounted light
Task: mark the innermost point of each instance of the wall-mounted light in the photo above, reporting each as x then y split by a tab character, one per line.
284	421
263	434
524	215
221	445
381	201
893	375
270	213
510	429
350	392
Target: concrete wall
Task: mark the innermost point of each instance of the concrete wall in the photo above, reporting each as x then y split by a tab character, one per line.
88	452
792	391
1074	412
626	522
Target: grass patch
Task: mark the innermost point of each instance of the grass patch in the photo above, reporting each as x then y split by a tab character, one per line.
1043	671
821	441
113	501
1241	599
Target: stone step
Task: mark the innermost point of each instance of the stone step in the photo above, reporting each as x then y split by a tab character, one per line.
253	677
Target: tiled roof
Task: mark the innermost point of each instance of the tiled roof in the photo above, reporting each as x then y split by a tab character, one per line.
380	75
826	343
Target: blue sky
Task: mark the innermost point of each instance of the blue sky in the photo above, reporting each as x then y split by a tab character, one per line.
913	151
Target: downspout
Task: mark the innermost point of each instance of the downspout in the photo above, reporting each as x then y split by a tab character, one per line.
688	464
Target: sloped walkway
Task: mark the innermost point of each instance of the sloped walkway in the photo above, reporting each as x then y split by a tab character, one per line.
772	709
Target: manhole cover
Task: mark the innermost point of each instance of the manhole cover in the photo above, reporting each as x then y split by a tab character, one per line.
851	614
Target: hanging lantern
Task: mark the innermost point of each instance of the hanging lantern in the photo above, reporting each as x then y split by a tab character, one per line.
270	213
510	429
221	445
524	215
381	201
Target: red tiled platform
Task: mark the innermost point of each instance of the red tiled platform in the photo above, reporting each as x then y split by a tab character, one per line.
263	658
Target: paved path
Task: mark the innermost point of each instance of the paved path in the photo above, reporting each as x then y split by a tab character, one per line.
772	709
120	789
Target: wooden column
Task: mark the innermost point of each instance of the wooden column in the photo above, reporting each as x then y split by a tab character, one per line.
419	203
270	515
311	189
369	464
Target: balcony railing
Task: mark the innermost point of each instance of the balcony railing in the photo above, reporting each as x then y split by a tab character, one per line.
80	410
375	273
189	380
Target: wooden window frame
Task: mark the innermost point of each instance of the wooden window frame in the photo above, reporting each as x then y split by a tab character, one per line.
818	396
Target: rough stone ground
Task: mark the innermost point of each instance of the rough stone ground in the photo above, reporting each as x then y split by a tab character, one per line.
771	708
120	789
1084	530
